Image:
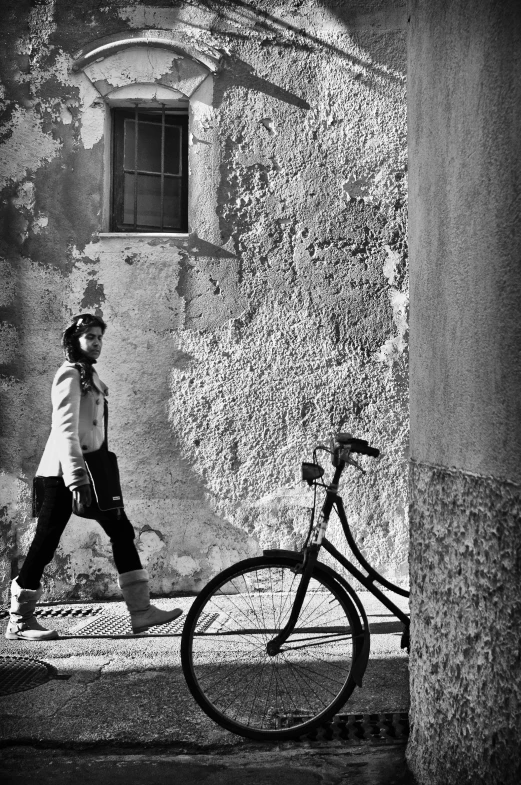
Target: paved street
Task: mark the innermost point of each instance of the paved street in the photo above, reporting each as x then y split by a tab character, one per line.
25	766
122	705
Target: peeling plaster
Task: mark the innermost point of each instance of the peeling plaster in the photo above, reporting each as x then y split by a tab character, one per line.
40	224
87	92
93	125
94	295
41	26
9	491
145	92
184	565
268	124
150	543
25	196
134	64
189	19
27	148
396	345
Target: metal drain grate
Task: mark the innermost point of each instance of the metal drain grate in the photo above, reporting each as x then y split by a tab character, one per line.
68	610
112	626
23	673
386	727
58	611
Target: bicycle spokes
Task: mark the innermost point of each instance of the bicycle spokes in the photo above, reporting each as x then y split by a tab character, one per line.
231	662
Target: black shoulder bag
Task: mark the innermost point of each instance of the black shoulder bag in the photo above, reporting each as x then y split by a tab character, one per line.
102	466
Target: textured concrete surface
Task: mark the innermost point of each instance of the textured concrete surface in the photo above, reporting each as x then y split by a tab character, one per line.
465	623
279	318
464	131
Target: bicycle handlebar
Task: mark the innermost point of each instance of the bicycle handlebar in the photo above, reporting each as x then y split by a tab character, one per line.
360	446
374	452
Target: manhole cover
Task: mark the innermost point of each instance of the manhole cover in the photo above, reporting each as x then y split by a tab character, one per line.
115	626
23	673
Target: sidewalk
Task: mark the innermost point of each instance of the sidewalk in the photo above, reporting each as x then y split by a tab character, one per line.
129	692
23	766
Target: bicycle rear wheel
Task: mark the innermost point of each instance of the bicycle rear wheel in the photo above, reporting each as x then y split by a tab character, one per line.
227	667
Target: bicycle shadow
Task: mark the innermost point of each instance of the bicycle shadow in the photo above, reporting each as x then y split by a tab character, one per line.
385	627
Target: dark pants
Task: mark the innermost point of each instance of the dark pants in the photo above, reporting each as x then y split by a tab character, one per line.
54	515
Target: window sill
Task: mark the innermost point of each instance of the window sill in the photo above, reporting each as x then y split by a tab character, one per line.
143	235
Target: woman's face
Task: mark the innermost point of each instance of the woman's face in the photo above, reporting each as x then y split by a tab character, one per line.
91	341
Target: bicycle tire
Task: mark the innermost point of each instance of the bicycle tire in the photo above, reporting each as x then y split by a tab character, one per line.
224	657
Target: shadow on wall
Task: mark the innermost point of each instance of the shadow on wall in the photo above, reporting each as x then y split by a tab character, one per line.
201	248
240	72
337	13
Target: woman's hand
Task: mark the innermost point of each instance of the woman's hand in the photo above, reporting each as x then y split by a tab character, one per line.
82	497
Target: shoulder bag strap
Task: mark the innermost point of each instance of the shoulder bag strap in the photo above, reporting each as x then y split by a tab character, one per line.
106	420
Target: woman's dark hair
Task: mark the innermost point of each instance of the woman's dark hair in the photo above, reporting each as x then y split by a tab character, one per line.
71	347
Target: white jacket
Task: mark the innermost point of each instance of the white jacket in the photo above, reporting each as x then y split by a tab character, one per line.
77	427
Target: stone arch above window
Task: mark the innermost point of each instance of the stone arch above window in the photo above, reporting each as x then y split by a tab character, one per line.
153	60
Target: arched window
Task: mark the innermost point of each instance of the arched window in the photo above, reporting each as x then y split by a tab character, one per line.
145	83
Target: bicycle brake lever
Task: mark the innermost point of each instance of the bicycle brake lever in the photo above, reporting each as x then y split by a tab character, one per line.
322	447
351	462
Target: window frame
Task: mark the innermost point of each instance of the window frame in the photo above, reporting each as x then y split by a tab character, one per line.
118	116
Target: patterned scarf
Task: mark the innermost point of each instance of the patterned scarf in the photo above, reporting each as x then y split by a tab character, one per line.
86	370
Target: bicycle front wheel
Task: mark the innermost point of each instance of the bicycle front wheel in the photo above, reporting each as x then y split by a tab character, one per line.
225	659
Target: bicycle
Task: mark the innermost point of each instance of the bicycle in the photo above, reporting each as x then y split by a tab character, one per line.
274	645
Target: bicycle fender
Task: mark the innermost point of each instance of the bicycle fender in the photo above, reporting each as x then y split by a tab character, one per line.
360	664
295	555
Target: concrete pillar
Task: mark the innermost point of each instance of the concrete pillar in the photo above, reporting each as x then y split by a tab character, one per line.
464	95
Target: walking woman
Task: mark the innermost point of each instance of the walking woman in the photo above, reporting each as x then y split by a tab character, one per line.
78	411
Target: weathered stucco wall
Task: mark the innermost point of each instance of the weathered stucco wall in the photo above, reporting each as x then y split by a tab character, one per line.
279	319
464	161
466	616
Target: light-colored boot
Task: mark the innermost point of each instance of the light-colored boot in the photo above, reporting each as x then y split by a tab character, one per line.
134	586
22	621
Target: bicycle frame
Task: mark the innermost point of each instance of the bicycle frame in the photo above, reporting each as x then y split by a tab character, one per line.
367	581
310	558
